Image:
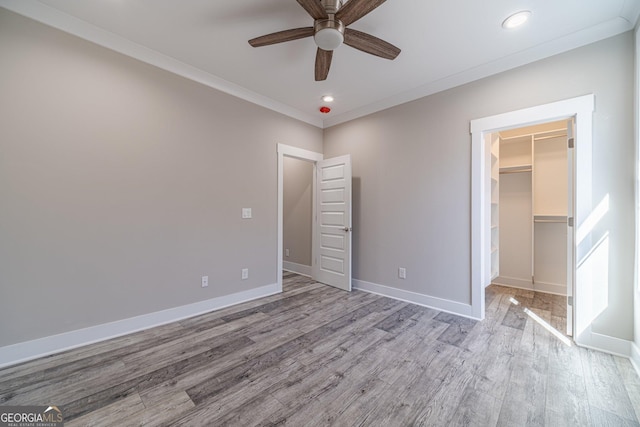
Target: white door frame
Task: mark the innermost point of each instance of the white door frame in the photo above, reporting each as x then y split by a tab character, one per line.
302	154
582	109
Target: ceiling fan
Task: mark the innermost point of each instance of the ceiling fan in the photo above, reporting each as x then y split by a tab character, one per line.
330	30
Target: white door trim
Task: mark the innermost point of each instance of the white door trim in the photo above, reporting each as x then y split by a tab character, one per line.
582	109
298	153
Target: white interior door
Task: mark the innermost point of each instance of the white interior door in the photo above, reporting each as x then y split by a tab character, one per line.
570	223
332	263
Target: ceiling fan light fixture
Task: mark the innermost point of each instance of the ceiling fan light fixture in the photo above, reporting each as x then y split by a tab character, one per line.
516	20
329	34
329	31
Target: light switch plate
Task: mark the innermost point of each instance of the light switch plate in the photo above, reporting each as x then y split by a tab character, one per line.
246	213
205	281
245	273
402	273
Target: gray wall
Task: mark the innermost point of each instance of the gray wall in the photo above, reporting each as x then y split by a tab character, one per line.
411	167
297	215
122	184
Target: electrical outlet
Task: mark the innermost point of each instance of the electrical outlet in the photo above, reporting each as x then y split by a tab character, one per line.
402	273
245	273
246	213
205	281
286	252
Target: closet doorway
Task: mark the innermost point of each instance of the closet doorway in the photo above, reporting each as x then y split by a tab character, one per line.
331	216
532	207
297	220
581	110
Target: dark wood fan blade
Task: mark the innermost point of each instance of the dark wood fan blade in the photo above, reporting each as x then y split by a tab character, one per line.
282	36
323	63
314	8
370	44
356	9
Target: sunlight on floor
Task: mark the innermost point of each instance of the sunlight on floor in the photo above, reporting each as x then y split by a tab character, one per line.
543	323
548	327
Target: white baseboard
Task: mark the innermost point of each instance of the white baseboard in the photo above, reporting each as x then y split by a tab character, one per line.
605	343
635	357
448	306
28	350
513	282
548	288
302	269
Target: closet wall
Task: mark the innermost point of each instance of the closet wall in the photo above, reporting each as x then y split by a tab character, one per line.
530	241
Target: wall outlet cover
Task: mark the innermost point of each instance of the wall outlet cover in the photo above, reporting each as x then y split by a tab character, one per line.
205	281
245	273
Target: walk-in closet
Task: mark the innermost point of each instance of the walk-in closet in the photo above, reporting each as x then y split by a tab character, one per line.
530	207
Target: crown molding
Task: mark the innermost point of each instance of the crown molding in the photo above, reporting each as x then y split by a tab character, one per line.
627	20
575	40
77	27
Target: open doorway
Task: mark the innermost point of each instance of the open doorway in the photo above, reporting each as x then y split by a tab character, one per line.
532	209
297	221
331	216
581	110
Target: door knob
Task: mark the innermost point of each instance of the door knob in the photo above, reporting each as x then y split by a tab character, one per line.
347	229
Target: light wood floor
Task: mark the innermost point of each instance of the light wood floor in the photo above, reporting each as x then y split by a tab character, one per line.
315	355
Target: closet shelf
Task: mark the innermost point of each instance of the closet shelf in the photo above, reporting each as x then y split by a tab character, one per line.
550	218
515	169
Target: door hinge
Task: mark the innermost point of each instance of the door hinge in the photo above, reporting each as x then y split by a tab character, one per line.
570	301
571	142
570	221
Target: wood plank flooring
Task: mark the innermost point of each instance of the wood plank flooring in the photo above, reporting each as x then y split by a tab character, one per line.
318	356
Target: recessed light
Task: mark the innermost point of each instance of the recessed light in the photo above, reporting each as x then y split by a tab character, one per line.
516	19
327	98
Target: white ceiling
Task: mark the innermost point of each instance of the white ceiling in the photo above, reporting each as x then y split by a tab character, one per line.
444	43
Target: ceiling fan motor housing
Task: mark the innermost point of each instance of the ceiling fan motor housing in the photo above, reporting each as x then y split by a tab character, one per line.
331	6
